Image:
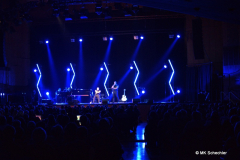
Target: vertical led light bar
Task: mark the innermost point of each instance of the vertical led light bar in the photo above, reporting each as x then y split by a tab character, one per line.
136	77
73	75
171	77
40	76
106	78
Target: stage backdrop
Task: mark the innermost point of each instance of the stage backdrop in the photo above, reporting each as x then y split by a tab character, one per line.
150	57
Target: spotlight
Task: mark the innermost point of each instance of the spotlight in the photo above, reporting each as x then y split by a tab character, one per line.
178	36
80	40
143	91
35	70
131	67
68	69
178	91
1	94
47	93
104	38
47	42
142	37
111	38
165	66
101	68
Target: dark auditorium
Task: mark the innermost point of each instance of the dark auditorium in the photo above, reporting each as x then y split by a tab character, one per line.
119	80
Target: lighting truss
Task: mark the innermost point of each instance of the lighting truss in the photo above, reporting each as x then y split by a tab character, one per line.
136	77
106	78
40	76
169	82
73	75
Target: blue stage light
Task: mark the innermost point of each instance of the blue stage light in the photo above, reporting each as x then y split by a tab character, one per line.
47	42
80	40
143	91
101	68
106	79
136	77
171	77
165	66
1	94
178	91
73	75
131	67
111	38
39	80
68	69
178	36
35	70
47	93
142	37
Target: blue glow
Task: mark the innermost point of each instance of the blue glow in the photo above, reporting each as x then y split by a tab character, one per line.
111	38
96	80
178	36
73	75
47	93
39	80
47	42
166	54
68	69
124	77
107	52
81	66
106	78
165	66
1	94
131	67
80	40
143	91
171	77
101	68
178	91
153	77
142	37
35	70
136	50
136	77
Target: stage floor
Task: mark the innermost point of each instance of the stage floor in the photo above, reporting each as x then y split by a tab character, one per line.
143	108
109	103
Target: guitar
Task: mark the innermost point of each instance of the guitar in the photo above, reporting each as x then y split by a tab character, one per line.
124	98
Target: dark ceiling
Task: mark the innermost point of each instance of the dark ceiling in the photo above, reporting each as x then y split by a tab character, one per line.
17	11
222	10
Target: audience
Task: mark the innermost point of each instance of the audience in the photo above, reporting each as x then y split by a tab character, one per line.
183	129
48	132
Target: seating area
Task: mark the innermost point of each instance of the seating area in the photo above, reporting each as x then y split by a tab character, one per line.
40	132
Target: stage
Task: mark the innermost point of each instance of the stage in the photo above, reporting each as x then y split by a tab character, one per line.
143	108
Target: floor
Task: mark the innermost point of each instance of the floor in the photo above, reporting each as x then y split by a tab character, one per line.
136	150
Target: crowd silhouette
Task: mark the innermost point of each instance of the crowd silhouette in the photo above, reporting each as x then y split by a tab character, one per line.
183	129
41	132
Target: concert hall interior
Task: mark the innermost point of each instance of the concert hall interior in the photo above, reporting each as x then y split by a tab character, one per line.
138	74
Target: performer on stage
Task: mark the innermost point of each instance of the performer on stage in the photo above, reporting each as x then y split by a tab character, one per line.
58	95
97	94
115	91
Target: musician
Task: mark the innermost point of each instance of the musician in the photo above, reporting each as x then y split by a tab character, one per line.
58	95
97	94
115	91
